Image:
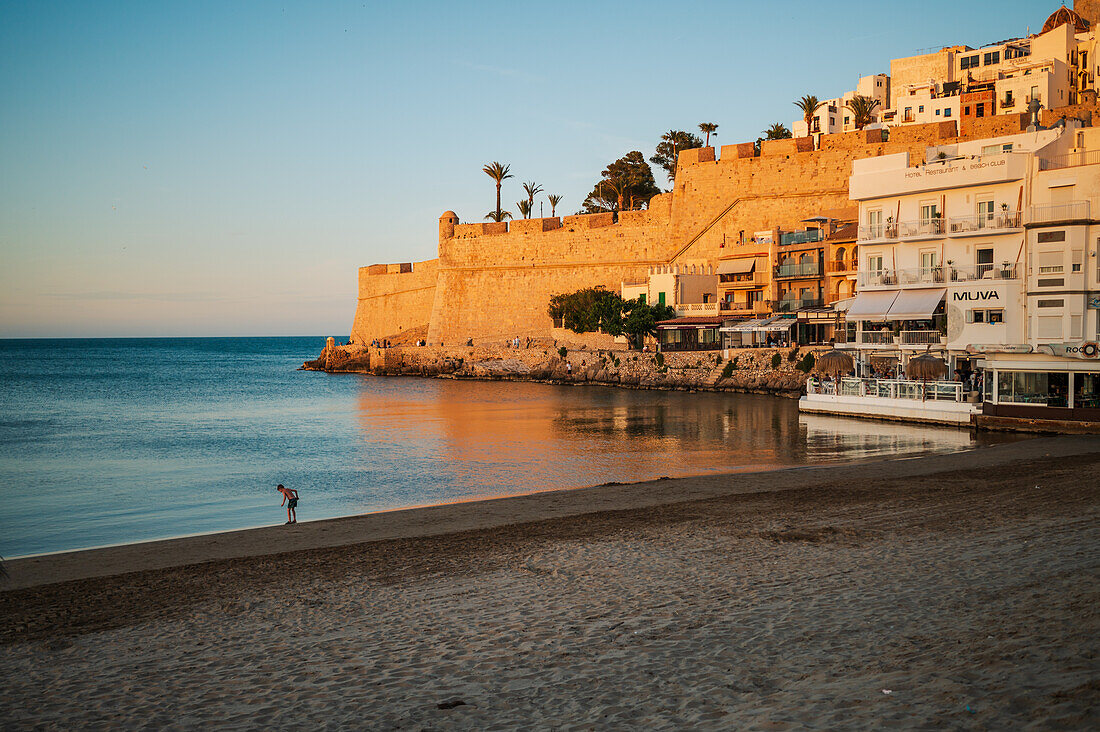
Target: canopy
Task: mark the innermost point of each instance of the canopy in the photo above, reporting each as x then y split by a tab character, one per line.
778	326
745	326
872	305
916	304
737	266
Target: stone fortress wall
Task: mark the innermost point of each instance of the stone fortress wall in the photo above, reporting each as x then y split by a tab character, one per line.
493	281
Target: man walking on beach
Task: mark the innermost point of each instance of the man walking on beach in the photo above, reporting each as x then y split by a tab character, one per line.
290	498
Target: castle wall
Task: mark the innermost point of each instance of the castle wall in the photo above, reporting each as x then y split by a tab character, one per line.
494	281
393	301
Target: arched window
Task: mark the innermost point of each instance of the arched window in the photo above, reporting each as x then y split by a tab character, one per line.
806	258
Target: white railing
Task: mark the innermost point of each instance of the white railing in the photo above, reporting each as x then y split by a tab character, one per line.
1069	211
983	223
873	338
936	275
924	227
943	391
922	337
697	308
1070	160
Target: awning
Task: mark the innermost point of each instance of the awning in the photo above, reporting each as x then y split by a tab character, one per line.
737	266
872	305
780	326
745	326
841	306
915	304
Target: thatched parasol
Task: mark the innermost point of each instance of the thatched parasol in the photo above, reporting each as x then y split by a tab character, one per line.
925	367
835	363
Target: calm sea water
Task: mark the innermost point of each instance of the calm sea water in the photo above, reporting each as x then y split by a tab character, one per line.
115	441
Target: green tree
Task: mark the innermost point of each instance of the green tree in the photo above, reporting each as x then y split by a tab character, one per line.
640	319
863	110
708	129
809	105
625	185
588	310
671	145
498	215
498	173
524	208
778	131
532	189
554	200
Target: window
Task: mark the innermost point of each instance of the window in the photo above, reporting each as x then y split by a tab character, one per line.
846	119
1050	262
928	261
993	57
966	110
1049	326
1008	98
1033	387
1076	327
947	112
1086	390
1046	237
970	62
1077	259
661	298
1034	93
985	262
920	108
985	213
937	113
985	316
929	212
908	115
990	149
832	121
874	263
641	299
1007	147
1052	303
979	110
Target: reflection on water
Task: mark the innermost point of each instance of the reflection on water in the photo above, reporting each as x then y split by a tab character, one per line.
110	441
499	438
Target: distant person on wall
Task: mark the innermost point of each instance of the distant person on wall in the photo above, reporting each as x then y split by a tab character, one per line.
290	498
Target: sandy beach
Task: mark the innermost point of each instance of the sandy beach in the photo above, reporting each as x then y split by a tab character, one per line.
952	591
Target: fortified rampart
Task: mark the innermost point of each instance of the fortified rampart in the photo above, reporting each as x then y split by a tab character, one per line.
493	281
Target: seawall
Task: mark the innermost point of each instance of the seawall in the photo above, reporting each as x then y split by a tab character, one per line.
752	370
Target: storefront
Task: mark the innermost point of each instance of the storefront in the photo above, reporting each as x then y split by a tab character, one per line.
1042	386
689	334
763	332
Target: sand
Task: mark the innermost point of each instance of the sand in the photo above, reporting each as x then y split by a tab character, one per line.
948	591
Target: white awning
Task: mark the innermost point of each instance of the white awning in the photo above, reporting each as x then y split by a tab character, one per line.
916	304
872	305
841	306
746	326
779	326
737	266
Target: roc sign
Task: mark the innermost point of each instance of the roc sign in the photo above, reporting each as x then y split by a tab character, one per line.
1087	349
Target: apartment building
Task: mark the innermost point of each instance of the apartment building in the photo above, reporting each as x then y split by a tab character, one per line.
985	252
834	115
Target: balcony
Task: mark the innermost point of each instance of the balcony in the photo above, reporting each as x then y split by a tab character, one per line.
984	223
697	309
937	275
921	337
840	266
923	229
877	232
789	305
871	338
758	279
1072	160
788	238
1057	212
805	269
760	307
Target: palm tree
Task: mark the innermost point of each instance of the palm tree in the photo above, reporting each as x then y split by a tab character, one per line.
498	215
620	186
708	128
524	208
778	131
532	189
863	109
809	105
554	200
498	172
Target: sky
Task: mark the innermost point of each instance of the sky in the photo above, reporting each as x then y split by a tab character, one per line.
223	168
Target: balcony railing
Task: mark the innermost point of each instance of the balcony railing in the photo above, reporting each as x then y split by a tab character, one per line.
805	269
944	391
924	227
788	305
840	265
878	231
983	223
730	281
1071	160
872	338
800	237
1070	211
937	275
697	309
921	337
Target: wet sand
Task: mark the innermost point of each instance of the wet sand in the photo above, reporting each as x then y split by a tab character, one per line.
959	590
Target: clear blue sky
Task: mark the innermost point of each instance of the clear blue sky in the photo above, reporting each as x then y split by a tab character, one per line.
223	168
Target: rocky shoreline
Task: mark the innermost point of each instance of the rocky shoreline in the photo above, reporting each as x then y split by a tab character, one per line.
776	371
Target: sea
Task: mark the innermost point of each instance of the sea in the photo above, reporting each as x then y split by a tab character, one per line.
113	441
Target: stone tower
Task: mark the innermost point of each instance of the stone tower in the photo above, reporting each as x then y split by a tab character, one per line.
447	223
1088	9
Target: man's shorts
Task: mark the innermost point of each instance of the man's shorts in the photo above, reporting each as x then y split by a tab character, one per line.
293	503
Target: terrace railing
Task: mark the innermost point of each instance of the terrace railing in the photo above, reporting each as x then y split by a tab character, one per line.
922	337
800	237
1069	211
873	338
922	228
804	269
943	391
984	223
1071	160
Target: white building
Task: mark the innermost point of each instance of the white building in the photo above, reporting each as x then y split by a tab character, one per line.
985	253
834	115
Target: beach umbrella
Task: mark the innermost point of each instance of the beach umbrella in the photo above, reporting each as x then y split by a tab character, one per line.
835	363
925	367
